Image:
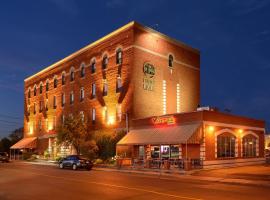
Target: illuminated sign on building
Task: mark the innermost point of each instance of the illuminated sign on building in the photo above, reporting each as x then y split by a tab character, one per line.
149	73
167	120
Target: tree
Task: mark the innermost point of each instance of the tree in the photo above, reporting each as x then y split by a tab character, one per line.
14	137
74	132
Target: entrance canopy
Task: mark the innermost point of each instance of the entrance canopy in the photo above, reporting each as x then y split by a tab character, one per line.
26	143
190	133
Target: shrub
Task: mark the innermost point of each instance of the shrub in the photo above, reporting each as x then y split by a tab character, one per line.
98	161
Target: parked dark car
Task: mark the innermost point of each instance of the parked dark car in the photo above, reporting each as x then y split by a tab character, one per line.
4	157
75	162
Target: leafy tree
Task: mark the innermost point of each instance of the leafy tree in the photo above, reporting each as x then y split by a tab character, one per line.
14	136
74	132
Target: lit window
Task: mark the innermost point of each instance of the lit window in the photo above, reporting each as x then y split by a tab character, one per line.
119	56
82	115
105	87
249	143
118	84
93	66
72	74
63	100
47	85
81	94
63	78
93	90
35	90
71	97
226	145
93	115
105	62
82	70
55	81
40	88
54	102
170	61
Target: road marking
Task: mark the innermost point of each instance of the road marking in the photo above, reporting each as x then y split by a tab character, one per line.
118	186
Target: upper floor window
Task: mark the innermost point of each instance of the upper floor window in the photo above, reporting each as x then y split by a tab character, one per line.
170	61
93	115
71	98
105	87
47	85
63	78
40	88
72	74
93	90
119	56
63	100
54	102
35	90
29	93
40	106
81	94
82	70
93	66
82	115
105	61
55	81
118	84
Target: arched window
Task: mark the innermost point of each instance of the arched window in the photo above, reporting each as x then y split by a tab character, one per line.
72	74
55	82
29	93
35	90
105	87
71	97
105	61
118	84
40	88
47	85
82	70
82	94
119	56
93	90
63	78
249	146
226	145
93	66
170	61
93	115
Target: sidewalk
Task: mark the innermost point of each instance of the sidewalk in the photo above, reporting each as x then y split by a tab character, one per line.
218	175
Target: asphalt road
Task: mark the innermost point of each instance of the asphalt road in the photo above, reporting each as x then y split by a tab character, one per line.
20	181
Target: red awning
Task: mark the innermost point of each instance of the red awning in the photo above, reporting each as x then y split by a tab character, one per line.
26	143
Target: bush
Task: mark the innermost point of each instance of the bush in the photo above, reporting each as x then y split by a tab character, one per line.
98	161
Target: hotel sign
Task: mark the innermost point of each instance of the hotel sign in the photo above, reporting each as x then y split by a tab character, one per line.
165	120
149	73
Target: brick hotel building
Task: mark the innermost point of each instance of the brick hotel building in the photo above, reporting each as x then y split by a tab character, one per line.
127	77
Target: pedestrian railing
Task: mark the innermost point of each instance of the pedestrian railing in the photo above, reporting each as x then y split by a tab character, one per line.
196	163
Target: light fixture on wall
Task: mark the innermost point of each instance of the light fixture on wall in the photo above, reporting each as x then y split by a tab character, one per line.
211	128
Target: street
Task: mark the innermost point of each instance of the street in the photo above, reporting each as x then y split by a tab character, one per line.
19	181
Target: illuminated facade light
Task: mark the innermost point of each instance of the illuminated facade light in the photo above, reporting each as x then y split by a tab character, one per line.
164	91
211	128
177	98
111	120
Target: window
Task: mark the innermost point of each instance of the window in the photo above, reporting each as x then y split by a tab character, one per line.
63	119
119	56
55	81
93	66
82	115
40	88
34	108
35	90
170	64
226	145
71	98
40	106
63	100
118	84
249	146
93	115
63	78
47	85
105	87
82	70
93	90
81	94
39	125
105	62
54	102
29	93
72	74
46	105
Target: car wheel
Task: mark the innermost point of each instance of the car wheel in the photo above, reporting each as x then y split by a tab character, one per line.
61	166
74	167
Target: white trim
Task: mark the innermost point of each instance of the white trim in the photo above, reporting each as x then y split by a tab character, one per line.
233	126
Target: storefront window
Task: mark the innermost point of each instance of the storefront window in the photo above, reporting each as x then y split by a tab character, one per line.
155	151
141	152
174	151
225	146
165	151
249	146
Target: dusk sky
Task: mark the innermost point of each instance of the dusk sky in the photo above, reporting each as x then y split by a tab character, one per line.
233	37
